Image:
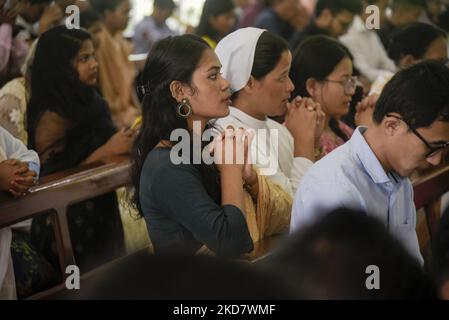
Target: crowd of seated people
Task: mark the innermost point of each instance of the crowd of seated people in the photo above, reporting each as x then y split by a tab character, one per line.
264	118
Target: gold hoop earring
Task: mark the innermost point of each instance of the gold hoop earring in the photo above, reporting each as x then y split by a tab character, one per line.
181	106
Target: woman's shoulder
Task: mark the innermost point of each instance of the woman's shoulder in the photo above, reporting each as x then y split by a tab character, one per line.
165	161
160	171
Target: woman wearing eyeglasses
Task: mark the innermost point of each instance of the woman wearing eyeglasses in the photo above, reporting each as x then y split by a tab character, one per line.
322	69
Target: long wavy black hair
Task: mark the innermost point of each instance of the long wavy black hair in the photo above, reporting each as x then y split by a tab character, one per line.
56	87
171	59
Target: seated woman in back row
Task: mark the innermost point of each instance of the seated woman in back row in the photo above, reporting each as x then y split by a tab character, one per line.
69	124
322	69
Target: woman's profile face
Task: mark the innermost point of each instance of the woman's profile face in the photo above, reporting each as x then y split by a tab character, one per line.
86	65
331	93
223	23
273	91
209	94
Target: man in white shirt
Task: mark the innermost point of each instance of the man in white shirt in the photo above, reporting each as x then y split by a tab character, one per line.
370	172
370	57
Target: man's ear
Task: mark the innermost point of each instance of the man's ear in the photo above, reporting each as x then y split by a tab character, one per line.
391	125
178	90
312	87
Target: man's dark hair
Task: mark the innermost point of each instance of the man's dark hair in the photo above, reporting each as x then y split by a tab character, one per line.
419	94
413	39
336	6
164	4
329	260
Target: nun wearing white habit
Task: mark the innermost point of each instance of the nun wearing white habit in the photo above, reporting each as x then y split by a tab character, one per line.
257	64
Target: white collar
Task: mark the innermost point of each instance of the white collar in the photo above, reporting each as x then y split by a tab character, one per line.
248	120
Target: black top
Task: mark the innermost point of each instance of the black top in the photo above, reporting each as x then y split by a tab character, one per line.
92	130
180	214
310	30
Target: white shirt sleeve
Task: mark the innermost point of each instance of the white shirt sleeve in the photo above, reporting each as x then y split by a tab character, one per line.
355	44
15	149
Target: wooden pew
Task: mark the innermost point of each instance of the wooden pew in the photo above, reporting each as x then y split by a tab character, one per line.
56	192
428	189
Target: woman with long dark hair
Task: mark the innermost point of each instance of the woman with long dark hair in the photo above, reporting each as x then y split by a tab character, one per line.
322	69
187	205
217	20
70	124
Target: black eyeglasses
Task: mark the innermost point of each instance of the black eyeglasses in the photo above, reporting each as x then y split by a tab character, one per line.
434	148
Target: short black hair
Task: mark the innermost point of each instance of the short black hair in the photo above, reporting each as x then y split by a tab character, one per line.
329	260
164	4
419	94
335	6
413	39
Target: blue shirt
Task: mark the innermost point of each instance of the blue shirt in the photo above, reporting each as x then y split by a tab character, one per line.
147	32
351	176
270	21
